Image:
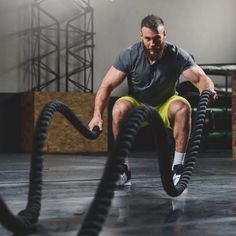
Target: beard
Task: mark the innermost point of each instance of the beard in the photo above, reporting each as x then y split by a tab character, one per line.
156	54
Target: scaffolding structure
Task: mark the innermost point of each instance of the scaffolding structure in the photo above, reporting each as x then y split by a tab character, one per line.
79	50
46	72
45	49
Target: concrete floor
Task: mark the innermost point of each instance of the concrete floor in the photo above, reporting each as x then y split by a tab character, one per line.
144	209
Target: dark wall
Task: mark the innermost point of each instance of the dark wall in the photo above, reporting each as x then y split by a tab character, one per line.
9	122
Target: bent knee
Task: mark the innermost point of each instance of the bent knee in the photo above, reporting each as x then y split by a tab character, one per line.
179	108
120	109
184	108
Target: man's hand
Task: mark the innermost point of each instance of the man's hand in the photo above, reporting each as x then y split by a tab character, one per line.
95	122
213	97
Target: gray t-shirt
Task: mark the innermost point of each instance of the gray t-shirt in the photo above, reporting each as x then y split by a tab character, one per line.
153	84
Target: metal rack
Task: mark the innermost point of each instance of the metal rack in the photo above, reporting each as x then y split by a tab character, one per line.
222	109
47	51
79	50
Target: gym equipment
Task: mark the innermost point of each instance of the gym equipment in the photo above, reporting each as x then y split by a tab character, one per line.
98	211
25	221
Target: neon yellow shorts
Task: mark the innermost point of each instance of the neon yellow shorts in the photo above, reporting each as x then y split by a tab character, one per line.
161	109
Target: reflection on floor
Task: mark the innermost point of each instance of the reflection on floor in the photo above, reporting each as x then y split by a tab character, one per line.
70	181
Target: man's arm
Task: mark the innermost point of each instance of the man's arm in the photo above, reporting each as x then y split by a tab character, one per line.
111	80
200	80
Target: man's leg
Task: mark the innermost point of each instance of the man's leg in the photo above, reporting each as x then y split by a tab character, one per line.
179	115
121	109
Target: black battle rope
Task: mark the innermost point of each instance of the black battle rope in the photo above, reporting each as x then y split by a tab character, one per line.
98	211
24	221
191	154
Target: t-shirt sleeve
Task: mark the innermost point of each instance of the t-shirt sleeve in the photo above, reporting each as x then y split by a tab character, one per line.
185	60
123	61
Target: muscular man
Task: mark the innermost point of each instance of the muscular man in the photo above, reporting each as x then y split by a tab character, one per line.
152	67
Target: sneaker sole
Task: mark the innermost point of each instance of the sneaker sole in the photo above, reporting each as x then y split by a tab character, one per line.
128	183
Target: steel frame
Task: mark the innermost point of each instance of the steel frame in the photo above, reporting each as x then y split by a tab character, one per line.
46	50
80	50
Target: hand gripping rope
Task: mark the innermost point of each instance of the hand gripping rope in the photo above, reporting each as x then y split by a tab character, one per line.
24	221
95	218
92	225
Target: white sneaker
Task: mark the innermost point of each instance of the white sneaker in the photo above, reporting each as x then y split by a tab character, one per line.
124	178
177	171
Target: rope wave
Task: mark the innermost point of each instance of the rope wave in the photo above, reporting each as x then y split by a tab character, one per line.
25	220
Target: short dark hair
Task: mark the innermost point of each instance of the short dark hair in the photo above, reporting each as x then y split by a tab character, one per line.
152	22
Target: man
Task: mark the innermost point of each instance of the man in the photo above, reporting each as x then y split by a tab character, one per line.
152	67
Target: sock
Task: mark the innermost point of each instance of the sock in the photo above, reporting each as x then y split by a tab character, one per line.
178	159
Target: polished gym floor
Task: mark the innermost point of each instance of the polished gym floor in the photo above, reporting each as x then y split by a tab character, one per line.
208	208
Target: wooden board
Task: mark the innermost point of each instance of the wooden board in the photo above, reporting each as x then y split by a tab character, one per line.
61	136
